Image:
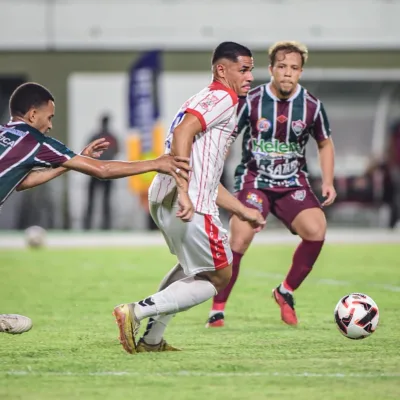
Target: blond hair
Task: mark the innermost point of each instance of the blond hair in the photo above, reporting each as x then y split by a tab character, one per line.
288	47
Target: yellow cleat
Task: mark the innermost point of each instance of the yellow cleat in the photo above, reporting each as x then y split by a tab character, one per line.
143	347
128	326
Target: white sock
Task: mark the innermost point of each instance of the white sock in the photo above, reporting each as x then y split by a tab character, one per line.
179	296
213	312
156	327
283	289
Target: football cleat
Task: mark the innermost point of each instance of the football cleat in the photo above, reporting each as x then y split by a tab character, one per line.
216	321
128	326
286	303
143	347
14	323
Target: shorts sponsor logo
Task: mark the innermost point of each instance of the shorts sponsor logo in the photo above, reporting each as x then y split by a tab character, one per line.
299	195
255	200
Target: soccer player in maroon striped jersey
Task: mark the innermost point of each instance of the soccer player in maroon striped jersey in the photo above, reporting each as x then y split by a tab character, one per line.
276	120
24	147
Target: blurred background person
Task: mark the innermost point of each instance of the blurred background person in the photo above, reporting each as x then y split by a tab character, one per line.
103	187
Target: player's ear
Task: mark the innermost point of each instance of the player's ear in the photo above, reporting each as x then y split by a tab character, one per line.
31	114
220	70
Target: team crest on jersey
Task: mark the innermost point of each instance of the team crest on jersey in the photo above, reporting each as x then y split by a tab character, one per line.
255	200
263	125
299	195
298	127
209	103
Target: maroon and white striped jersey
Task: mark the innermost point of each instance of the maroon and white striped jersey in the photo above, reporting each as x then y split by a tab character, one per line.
216	108
23	148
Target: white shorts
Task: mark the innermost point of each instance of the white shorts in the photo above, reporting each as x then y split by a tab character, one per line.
200	245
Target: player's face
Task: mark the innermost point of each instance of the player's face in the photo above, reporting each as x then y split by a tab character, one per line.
286	73
41	117
239	75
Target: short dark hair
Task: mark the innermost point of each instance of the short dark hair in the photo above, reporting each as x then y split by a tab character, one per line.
230	51
27	96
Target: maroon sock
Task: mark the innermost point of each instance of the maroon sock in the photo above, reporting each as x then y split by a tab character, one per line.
303	260
221	298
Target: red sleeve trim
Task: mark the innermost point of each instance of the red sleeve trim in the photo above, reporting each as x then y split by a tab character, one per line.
199	116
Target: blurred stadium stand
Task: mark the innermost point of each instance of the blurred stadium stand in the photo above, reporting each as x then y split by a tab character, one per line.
354	68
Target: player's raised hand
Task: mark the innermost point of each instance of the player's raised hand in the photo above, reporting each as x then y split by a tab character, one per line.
186	209
254	218
95	149
329	193
175	166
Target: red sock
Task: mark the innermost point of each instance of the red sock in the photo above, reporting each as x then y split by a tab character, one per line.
221	298
303	260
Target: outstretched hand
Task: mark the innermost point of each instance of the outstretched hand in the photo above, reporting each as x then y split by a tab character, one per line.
175	166
96	148
254	218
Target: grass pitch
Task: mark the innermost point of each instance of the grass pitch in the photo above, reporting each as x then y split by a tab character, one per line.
72	352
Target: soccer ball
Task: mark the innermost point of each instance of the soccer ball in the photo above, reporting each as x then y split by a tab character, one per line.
35	236
356	316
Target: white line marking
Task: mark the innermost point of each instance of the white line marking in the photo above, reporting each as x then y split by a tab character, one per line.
68	239
209	374
333	282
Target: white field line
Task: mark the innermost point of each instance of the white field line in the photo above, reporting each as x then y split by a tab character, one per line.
331	282
70	239
208	374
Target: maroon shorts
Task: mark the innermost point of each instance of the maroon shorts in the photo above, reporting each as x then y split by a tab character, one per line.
285	204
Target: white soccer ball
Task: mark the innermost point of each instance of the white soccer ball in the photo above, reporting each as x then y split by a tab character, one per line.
356	316
35	236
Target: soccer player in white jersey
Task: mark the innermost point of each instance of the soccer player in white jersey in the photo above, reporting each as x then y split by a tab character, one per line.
187	212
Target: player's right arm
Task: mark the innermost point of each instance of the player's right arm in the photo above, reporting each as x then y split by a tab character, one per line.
231	204
121	169
182	143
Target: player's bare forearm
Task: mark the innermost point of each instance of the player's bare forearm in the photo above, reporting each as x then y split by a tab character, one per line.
327	160
181	146
229	202
111	169
36	178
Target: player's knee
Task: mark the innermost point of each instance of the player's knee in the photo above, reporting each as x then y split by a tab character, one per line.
241	239
314	230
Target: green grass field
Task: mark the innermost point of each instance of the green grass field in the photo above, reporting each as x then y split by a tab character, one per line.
72	352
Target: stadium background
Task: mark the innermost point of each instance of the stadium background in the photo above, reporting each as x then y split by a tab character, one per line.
86	59
138	61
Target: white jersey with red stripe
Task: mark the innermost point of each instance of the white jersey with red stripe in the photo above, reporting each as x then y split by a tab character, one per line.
216	108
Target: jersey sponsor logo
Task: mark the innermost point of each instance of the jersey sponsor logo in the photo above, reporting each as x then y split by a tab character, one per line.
6	141
255	200
299	195
282	119
280	171
298	127
263	125
209	102
275	150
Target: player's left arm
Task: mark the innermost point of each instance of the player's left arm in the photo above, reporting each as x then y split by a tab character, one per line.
46	174
326	150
